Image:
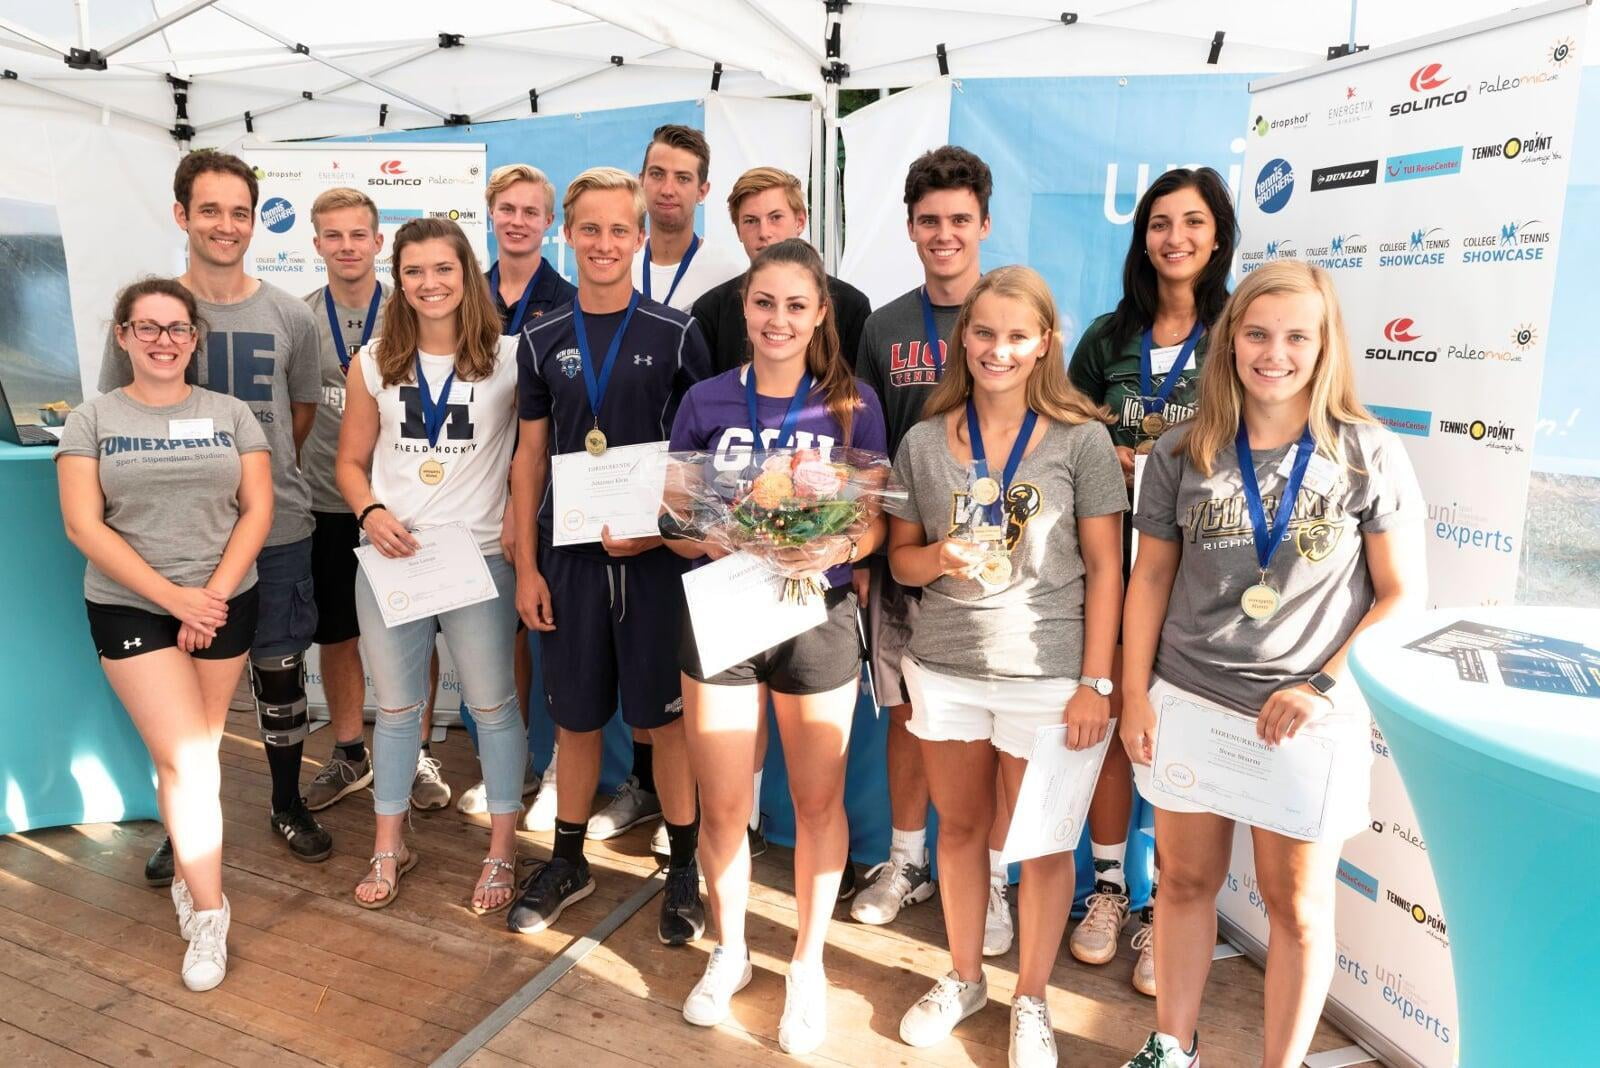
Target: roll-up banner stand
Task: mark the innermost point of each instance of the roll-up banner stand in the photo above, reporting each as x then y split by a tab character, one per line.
406	181
1429	179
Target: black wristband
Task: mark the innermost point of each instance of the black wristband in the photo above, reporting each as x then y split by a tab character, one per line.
361	520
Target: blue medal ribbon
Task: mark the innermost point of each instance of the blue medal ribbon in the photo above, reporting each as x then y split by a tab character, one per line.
366	326
596	383
434	409
522	305
980	460
1157	401
1268	539
930	330
791	415
683	265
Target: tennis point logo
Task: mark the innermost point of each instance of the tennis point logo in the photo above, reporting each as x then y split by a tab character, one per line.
1274	186
1431	920
1400	332
1429	82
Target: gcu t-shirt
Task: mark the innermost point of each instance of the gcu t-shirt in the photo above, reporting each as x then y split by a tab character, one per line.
262	350
173	496
316	456
1208	645
474	446
715	418
896	362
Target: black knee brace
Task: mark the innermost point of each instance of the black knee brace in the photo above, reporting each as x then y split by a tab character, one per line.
280	691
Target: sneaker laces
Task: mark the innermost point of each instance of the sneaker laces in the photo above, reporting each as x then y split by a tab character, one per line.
946	992
333	770
1151	1056
1033	1020
206	942
548	877
722	962
997	897
299	818
1145	935
627	793
1104	912
428	768
893	874
683	887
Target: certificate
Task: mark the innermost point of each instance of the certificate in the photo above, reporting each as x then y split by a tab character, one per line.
446	572
737	610
620	489
1211	757
1138	484
1053	801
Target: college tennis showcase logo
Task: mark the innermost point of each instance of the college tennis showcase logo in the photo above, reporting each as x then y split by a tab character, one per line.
1342	252
1431	84
1274	186
1424	246
1517	241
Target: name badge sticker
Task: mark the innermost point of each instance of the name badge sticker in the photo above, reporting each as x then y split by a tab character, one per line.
1322	474
190	429
460	393
1161	360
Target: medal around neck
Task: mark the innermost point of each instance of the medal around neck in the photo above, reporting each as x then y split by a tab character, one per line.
985	491
1260	602
1154	424
594	442
431	472
1145	447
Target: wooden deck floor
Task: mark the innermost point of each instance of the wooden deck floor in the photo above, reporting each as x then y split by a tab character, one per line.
89	961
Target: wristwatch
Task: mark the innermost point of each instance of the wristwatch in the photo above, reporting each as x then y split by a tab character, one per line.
1103	687
1322	682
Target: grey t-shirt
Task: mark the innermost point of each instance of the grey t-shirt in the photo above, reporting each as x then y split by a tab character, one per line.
316	456
262	350
170	491
894	359
1033	626
1208	645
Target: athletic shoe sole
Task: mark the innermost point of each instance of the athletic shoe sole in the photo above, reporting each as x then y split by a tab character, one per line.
442	804
728	1011
360	784
1098	959
577	895
917	896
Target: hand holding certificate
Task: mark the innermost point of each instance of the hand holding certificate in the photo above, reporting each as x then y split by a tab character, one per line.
619	488
1053	801
446	572
737	609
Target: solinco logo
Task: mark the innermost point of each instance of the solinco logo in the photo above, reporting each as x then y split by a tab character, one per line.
1264	125
1401	332
1422	247
1535	148
1274	186
1496	436
1429	83
1342	252
1515	242
1431	920
1352	109
391	166
1344	175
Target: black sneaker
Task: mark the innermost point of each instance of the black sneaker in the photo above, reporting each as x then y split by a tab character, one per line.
306	839
683	914
158	869
549	889
758	837
847	881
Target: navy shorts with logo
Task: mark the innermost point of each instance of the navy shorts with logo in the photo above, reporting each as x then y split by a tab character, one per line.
121	631
616	635
288	618
333	574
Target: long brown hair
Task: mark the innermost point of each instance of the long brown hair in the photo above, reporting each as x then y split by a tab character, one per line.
477	322
1049	391
1221	394
824	358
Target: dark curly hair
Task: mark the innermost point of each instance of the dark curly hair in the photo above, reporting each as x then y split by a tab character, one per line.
210	161
949	167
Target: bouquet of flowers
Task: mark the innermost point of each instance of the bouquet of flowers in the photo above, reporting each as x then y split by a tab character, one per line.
798	510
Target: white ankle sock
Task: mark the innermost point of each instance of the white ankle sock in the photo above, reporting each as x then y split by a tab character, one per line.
909	845
1108	864
997	868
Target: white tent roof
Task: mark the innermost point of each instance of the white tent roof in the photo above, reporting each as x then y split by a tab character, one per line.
306	68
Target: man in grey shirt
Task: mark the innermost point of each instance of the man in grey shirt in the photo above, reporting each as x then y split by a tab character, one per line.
261	347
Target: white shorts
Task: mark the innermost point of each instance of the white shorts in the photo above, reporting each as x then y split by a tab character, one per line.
1003	712
1351	781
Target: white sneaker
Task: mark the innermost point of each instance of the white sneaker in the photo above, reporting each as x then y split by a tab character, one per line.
805	1011
1094	940
1033	1041
1144	969
997	929
429	791
183	901
660	844
937	1012
206	961
474	800
1163	1051
708	1003
541	815
895	884
630	806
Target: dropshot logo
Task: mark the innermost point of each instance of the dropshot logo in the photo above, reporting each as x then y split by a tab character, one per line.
1274	186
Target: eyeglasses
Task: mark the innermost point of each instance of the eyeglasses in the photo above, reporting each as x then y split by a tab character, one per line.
148	330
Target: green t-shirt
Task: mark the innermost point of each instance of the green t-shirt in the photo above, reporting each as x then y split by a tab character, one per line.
1110	376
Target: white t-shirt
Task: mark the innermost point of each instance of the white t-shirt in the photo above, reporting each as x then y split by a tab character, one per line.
474	446
712	265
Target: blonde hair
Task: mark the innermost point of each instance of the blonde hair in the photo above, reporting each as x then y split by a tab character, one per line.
1221	394
341	196
477	321
503	178
759	180
598	178
1049	391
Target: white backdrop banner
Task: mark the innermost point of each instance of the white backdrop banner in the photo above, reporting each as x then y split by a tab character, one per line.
1429	180
407	181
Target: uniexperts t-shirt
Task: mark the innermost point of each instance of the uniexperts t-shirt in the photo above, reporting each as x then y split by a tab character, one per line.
170	479
896	362
1208	645
1032	627
712	265
661	356
1109	374
715	419
317	454
262	350
474	446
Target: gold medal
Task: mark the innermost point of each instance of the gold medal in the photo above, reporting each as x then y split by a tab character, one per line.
1154	424
986	491
1145	447
995	571
594	442
1260	602
431	472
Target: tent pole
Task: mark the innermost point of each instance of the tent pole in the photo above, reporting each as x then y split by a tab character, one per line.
155	27
1352	42
33	38
830	184
816	209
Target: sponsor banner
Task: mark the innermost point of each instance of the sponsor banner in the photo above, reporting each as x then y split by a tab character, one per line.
406	181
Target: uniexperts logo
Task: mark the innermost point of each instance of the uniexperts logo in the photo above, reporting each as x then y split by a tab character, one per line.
391	166
1363	883
1263	125
1534	148
1400	332
1434	163
1432	921
1274	186
1516	241
1463	528
1413	1009
1343	252
1424	246
1344	175
1353	108
1430	84
1413	421
277	215
1495	435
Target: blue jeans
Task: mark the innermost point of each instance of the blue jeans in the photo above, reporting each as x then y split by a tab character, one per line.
482	637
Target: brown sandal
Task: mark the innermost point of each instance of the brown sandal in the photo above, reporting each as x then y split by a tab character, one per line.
502	876
376	877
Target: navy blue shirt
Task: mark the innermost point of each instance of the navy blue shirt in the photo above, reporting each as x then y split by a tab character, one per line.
550	291
662	355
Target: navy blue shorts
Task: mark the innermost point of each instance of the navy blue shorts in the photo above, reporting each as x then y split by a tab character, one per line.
288	618
616	636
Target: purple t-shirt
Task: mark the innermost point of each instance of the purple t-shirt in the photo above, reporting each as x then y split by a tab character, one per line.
714	418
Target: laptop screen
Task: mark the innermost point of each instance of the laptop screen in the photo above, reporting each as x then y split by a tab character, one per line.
38	345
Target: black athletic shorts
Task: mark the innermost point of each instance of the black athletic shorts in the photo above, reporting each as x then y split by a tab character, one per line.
121	631
822	659
333	575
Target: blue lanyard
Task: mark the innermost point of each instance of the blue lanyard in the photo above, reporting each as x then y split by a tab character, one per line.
434	409
791	415
1155	402
522	305
597	384
1267	540
980	461
683	265
366	327
930	331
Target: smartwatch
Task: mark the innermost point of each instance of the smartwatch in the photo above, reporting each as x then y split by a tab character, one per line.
1322	682
1103	687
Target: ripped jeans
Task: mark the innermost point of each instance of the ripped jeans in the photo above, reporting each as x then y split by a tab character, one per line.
482	638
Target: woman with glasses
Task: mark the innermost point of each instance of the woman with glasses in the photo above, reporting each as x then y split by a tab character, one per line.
166	488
